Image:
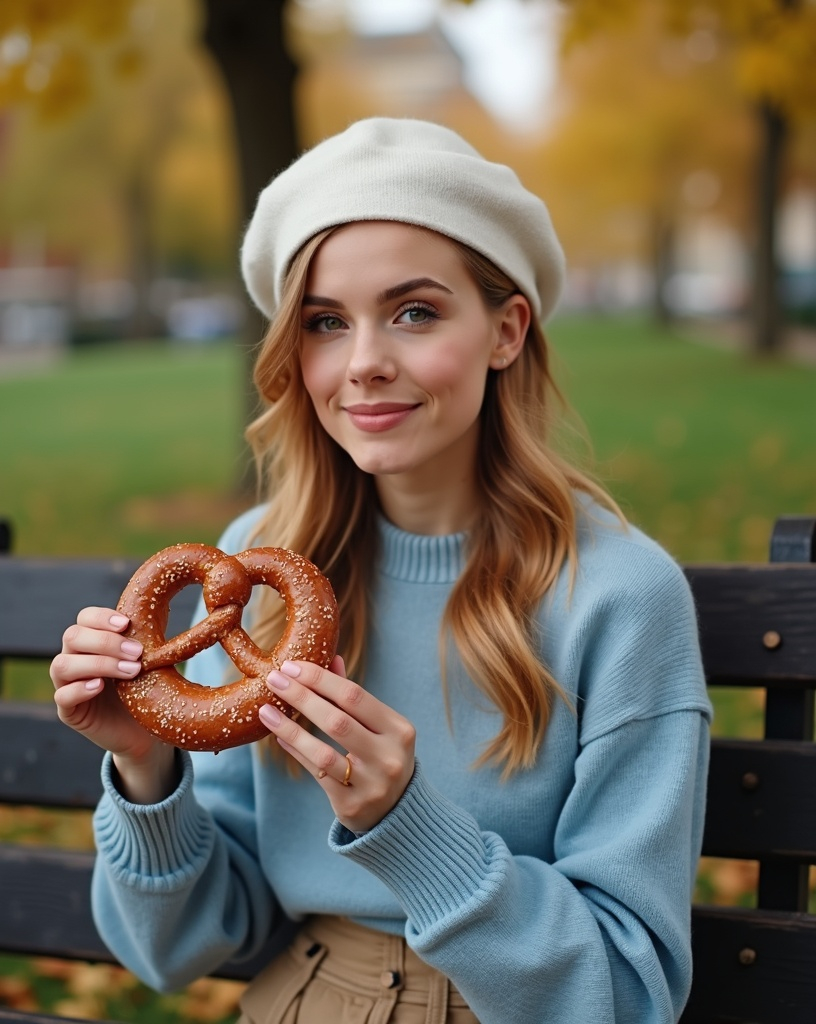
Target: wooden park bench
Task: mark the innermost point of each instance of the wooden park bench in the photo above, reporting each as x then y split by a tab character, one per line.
758	627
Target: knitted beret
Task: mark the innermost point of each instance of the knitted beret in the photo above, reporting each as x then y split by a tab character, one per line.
410	171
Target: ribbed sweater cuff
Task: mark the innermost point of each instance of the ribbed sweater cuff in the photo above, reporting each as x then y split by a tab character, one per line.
431	854
153	844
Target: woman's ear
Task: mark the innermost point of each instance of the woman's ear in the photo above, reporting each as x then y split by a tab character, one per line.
512	322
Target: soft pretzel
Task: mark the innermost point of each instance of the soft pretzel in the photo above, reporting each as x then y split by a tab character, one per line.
197	717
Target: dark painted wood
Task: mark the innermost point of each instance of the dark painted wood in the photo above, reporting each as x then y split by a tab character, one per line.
739	606
42	762
761	800
40	597
752	967
789	716
44	893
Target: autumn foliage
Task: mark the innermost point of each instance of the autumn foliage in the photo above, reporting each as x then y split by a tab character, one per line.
771	43
53	50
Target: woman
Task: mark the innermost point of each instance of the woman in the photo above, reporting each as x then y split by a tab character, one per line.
503	824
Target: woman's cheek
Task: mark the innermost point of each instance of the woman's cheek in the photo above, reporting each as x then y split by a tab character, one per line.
317	374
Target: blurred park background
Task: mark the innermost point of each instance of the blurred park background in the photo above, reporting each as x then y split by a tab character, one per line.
674	142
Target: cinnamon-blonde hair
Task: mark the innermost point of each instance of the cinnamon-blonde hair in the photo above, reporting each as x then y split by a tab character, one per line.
323	506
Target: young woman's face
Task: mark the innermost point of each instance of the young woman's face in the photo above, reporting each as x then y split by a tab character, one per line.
396	343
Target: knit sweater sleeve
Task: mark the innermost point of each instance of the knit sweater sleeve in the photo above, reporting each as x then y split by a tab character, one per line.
601	931
177	889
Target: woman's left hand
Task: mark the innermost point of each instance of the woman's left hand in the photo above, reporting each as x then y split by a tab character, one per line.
366	783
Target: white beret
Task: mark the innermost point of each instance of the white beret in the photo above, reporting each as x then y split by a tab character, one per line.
410	171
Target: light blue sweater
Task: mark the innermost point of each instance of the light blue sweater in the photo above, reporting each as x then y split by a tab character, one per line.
561	895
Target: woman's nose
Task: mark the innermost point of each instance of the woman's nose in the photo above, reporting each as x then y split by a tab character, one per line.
370	358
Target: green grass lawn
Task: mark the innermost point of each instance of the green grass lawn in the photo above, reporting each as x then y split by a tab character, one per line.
124	449
703	447
121	449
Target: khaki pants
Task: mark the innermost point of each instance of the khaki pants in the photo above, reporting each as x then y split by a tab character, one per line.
337	972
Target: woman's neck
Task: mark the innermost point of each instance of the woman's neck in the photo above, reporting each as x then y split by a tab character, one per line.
434	511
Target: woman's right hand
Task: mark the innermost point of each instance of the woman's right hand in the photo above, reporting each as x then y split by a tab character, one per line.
94	654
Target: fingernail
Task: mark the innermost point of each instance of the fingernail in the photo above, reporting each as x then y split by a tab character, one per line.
93	684
280	682
291	669
130	668
269	716
132	647
118	621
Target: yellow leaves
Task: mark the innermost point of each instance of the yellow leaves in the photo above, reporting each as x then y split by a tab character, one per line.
727	882
209	1000
103	21
42	18
775	63
772	43
129	61
12	87
745	18
68	85
88	988
52	52
100	991
17	993
588	18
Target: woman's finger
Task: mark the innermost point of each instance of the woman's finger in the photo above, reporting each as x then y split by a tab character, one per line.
70	695
318	757
93	648
79	639
103	618
72	668
299	682
321	775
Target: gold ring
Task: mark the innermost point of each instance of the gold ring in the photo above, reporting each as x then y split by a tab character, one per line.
347	776
322	773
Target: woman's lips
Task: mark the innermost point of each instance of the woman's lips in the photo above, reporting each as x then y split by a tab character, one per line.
380	416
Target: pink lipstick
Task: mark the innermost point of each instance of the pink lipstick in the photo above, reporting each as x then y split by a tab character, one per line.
379	415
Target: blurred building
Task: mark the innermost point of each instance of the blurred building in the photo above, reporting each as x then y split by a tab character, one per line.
36	297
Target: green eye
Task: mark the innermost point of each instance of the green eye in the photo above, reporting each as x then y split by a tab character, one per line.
323	323
417	315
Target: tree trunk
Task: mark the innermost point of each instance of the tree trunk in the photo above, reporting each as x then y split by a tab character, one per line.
142	322
662	266
768	320
246	38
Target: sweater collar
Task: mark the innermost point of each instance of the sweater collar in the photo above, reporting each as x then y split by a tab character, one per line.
417	558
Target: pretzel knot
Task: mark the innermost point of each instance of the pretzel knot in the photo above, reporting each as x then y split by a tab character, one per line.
197	717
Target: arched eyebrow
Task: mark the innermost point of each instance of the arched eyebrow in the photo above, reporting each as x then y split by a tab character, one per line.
394	292
414	284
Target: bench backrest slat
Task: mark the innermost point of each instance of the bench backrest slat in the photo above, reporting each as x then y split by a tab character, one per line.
45	893
36	750
755	966
58	588
761	800
742	610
